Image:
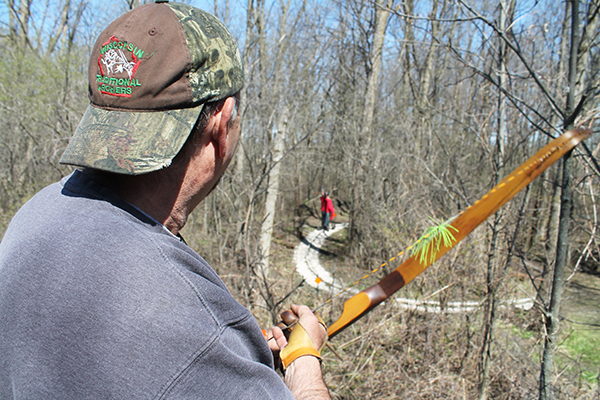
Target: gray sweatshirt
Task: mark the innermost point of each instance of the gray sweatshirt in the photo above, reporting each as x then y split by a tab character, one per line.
99	301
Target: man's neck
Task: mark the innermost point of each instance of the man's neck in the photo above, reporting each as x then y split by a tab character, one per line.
155	194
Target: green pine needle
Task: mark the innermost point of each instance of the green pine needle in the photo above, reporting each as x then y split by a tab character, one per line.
429	243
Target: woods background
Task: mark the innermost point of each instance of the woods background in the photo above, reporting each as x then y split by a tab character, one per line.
403	110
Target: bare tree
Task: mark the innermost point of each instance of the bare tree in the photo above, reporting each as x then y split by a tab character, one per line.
381	14
579	59
44	94
494	273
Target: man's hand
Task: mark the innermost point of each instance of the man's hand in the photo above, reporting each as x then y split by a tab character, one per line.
303	374
315	329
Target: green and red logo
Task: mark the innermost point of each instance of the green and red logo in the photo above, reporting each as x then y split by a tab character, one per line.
118	62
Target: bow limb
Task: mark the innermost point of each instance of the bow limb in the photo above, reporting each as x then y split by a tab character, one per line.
363	302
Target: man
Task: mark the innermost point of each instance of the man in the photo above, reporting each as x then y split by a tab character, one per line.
327	210
100	297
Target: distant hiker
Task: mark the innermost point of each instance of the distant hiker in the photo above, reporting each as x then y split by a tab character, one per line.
100	296
327	210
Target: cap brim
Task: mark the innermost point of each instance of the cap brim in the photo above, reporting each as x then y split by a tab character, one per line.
129	143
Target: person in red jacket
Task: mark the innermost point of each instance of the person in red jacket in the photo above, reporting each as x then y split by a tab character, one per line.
327	210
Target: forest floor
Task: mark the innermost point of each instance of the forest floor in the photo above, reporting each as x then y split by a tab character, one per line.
582	299
581	328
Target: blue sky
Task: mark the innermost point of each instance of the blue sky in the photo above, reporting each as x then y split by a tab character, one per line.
100	12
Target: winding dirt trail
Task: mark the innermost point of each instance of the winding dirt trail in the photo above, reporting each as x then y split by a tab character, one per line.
306	258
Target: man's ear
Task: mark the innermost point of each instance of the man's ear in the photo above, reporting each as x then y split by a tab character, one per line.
221	125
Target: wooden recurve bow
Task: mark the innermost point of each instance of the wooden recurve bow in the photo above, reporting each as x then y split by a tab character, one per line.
363	302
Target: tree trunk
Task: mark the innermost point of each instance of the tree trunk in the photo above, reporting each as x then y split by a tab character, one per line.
506	7
273	87
22	22
364	141
485	355
239	167
64	18
551	236
552	313
134	3
549	227
240	155
279	134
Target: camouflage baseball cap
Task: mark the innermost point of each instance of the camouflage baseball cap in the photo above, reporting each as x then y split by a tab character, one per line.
150	73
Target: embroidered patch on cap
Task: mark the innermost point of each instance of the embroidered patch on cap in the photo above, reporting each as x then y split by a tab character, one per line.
117	72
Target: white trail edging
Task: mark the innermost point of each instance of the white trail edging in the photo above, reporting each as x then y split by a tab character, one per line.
306	258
